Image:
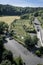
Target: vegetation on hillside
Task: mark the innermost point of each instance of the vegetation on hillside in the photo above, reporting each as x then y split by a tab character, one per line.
6	57
40	18
11	10
20	30
22	27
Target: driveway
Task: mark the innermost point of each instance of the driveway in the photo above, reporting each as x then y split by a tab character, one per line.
18	50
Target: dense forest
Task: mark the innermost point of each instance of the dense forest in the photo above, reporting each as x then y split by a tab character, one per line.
12	10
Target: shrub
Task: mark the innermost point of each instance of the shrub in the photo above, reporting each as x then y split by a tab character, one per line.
31	41
19	61
28	40
38	53
41	50
25	16
7	55
35	39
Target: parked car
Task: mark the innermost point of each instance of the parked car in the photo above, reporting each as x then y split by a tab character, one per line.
38	29
10	38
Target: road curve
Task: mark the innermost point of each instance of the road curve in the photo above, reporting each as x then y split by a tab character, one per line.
18	50
40	32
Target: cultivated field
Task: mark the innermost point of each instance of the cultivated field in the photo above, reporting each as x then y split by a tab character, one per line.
9	19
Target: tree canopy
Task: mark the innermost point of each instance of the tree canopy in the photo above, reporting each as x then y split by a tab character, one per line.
12	10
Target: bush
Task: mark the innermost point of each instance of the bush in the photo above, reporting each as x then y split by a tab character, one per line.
36	14
30	30
25	16
28	40
19	61
35	39
31	18
41	50
38	53
7	55
31	41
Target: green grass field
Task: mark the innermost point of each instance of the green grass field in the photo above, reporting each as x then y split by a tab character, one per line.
8	19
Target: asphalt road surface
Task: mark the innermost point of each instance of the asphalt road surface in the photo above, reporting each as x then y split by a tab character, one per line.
40	32
18	50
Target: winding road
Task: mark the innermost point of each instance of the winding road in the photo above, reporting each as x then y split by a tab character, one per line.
18	50
40	32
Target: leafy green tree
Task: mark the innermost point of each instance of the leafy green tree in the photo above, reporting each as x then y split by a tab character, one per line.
3	27
11	33
1	47
41	50
36	14
12	10
7	55
19	61
38	53
25	16
28	40
34	40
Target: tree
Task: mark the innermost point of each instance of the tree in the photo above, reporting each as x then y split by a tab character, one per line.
25	16
41	50
31	41
12	10
28	40
19	61
36	14
3	27
34	40
11	33
7	55
1	47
